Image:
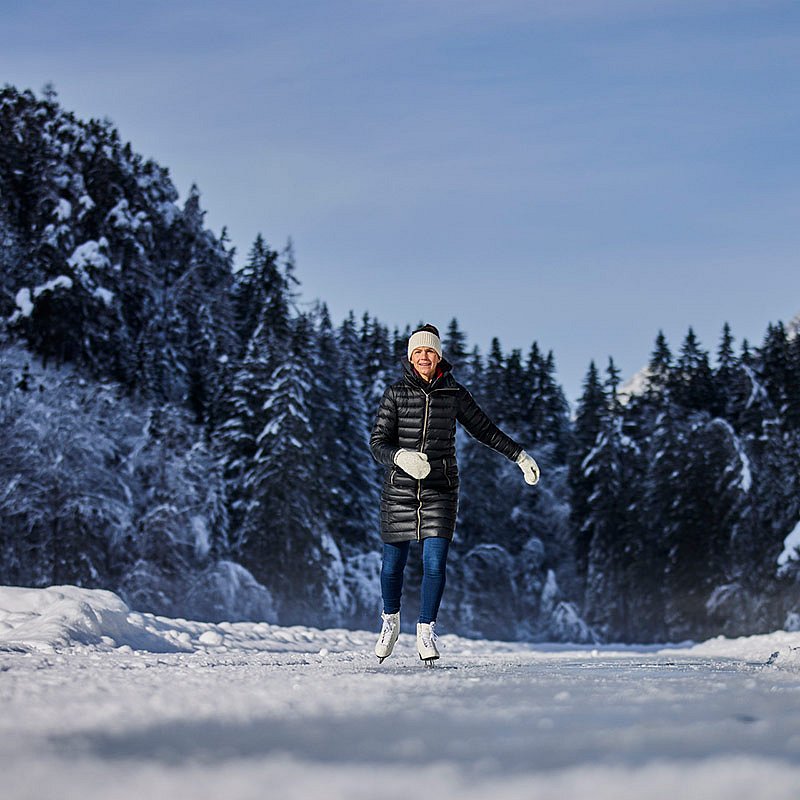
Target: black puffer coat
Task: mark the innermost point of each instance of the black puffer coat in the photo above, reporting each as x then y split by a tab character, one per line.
417	415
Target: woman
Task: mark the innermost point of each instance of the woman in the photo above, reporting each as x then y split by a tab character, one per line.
414	437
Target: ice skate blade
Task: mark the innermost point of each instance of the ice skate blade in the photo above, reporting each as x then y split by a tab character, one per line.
381	659
429	662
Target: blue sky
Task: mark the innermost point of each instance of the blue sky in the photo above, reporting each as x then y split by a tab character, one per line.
578	173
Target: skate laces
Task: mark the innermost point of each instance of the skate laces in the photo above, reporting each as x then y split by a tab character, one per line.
429	641
387	629
434	635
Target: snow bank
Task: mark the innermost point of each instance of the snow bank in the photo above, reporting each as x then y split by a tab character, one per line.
47	620
60	617
780	649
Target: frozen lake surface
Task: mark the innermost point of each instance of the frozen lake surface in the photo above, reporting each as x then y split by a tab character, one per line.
101	702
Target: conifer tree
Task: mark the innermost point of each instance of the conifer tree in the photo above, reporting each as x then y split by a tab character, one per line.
516	393
691	379
659	369
548	409
455	344
260	295
607	527
493	384
706	487
374	361
284	542
478	473
589	420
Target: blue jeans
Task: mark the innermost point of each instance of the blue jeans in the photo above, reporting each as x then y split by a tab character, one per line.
434	563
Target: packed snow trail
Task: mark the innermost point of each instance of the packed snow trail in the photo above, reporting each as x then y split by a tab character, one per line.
99	702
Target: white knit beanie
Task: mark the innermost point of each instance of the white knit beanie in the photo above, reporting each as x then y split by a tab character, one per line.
424	339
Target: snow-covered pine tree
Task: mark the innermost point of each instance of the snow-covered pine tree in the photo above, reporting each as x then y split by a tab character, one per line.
261	296
355	496
284	540
354	489
480	470
547	409
203	295
688	500
611	527
375	360
589	418
62	504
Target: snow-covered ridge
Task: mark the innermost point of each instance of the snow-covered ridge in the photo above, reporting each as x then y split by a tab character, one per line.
634	386
793	326
63	617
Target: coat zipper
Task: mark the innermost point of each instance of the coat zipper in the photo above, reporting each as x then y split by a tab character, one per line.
419	482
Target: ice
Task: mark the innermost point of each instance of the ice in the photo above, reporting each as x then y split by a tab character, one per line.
99	701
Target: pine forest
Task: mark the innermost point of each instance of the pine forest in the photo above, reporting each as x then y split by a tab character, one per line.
195	438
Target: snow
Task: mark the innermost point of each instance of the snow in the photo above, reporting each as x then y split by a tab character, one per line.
635	386
745	472
791	544
24	304
63	210
90	254
105	295
120	216
757	391
24	297
52	285
100	701
793	327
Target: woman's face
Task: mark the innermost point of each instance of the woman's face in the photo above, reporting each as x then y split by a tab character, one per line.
425	361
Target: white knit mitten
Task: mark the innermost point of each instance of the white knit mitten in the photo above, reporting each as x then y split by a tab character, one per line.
530	469
413	462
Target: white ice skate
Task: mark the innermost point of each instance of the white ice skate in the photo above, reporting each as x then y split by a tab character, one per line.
389	633
426	643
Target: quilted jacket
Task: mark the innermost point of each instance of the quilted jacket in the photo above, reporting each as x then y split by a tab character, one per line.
418	415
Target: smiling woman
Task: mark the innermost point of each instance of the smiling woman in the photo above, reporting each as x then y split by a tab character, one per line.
414	437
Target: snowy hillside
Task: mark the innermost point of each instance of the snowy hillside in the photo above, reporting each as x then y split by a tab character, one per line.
99	701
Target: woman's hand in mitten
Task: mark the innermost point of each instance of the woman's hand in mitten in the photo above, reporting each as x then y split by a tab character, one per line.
530	469
413	463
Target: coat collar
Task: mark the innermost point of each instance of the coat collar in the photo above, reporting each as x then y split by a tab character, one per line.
412	376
